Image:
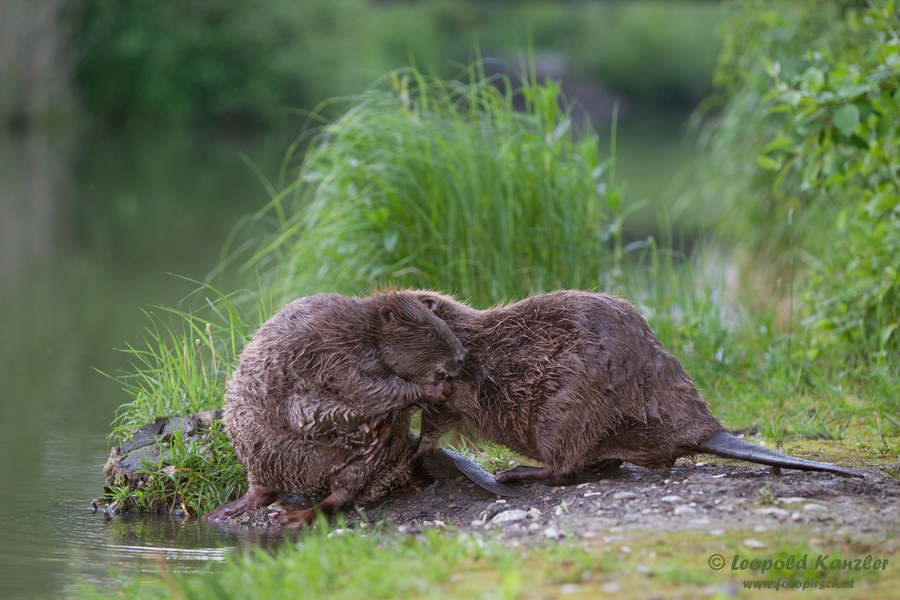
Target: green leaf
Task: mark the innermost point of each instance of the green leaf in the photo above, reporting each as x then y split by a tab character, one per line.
833	164
846	119
885	126
766	162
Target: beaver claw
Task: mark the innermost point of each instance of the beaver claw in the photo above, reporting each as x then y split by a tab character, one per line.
377	450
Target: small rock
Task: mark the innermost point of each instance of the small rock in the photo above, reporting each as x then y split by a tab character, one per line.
671	499
611	587
535	513
716	532
589	494
553	533
796	516
569	588
775	512
791	500
182	424
509	516
760	528
625	549
814	507
624	495
684	510
701	522
754	544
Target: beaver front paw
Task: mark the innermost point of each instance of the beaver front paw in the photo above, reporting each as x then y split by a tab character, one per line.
437	391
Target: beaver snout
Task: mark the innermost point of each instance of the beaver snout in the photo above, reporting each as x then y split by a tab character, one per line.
453	366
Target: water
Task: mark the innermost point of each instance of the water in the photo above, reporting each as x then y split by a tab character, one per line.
91	229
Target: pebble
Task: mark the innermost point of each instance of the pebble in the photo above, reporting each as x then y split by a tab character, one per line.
671	499
776	512
569	588
508	516
611	587
754	544
814	507
535	512
553	533
624	495
791	500
716	532
684	510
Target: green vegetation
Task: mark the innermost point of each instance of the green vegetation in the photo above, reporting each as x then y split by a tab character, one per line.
258	63
371	563
437	184
807	159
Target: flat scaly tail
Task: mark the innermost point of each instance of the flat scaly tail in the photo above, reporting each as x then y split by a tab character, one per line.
728	446
446	464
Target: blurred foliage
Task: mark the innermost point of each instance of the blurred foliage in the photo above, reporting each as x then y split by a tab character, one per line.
241	62
808	157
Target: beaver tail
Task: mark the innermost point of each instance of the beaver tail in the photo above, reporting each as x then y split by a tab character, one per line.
728	446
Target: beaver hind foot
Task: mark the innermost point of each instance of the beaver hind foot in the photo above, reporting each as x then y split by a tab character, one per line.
255	497
293	519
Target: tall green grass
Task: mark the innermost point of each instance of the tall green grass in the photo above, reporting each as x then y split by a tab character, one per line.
446	184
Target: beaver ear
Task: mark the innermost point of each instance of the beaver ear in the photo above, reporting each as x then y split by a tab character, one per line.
429	302
387	314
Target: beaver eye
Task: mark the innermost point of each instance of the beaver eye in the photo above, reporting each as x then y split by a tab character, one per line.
430	335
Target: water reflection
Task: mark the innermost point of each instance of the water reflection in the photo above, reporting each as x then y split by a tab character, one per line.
89	230
34	173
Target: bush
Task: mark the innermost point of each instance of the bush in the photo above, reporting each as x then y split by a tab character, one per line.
811	148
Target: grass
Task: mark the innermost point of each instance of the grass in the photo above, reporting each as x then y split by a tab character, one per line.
375	563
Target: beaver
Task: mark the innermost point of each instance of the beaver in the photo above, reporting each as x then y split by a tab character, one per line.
319	390
578	381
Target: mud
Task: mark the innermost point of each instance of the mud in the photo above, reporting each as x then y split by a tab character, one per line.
699	496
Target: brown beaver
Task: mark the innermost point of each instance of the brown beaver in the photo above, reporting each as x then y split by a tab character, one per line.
318	391
577	380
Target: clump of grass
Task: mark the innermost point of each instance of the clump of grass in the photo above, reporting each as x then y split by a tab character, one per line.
186	359
448	185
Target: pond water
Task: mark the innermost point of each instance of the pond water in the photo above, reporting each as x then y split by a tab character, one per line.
91	229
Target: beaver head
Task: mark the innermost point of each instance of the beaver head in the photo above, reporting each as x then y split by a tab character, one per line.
416	344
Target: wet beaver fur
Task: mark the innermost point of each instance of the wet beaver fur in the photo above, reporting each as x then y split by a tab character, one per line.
319	390
578	381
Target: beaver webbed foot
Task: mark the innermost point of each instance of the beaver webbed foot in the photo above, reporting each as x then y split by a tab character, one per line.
255	497
540	474
293	519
